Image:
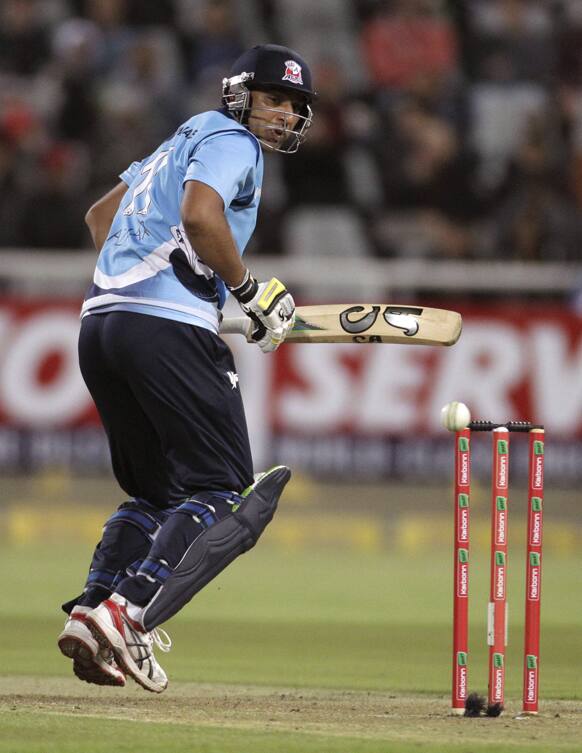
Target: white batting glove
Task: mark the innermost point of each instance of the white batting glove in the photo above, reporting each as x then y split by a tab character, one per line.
270	306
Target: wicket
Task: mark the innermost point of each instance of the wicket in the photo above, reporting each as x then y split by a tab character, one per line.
497	614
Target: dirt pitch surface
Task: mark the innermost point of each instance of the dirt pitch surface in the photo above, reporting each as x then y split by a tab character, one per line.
364	715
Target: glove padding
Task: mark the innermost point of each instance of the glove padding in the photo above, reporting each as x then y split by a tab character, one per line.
270	306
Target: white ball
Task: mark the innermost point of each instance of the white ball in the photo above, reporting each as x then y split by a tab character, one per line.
455	416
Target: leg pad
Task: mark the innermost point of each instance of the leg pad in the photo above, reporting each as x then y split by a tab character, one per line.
217	546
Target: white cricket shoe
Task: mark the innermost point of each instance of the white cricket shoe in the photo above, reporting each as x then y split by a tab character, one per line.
131	644
91	662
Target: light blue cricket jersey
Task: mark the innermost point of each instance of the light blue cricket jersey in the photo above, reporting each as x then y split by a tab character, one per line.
147	263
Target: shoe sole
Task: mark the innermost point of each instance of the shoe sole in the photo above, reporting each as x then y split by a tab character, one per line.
98	677
74	647
85	666
111	639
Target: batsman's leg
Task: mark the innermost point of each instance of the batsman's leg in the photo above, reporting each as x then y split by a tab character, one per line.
202	537
218	546
126	541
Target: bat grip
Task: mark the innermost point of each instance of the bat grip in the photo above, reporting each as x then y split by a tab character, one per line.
237	325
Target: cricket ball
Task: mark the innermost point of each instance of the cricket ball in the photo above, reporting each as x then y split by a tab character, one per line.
455	416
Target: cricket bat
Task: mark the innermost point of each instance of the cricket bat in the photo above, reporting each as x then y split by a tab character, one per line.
363	323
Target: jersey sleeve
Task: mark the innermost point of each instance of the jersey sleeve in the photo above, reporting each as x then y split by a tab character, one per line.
226	162
129	174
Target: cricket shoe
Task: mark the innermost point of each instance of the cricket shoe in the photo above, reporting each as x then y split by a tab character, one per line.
131	644
91	662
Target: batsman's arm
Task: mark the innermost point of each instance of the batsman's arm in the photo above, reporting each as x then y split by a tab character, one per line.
203	218
100	216
268	305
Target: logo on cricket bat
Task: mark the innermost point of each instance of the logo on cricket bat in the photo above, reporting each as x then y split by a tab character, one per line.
395	317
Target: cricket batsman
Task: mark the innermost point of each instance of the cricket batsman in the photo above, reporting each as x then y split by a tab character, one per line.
171	236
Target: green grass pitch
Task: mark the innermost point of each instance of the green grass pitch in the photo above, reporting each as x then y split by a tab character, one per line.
311	649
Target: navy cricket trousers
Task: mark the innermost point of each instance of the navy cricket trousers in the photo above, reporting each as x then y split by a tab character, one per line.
168	397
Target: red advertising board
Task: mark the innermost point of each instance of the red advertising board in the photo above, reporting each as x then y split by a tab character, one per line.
40	383
346	404
517	363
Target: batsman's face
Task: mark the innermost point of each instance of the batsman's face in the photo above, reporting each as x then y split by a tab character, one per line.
273	115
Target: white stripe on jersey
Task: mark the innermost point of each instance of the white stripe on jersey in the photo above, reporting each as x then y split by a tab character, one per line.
97	302
154	262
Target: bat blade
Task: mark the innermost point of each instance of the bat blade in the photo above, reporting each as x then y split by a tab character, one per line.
364	323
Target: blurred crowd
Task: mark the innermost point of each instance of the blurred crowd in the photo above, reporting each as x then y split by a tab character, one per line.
442	129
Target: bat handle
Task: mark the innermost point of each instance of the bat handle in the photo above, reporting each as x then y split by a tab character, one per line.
237	325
